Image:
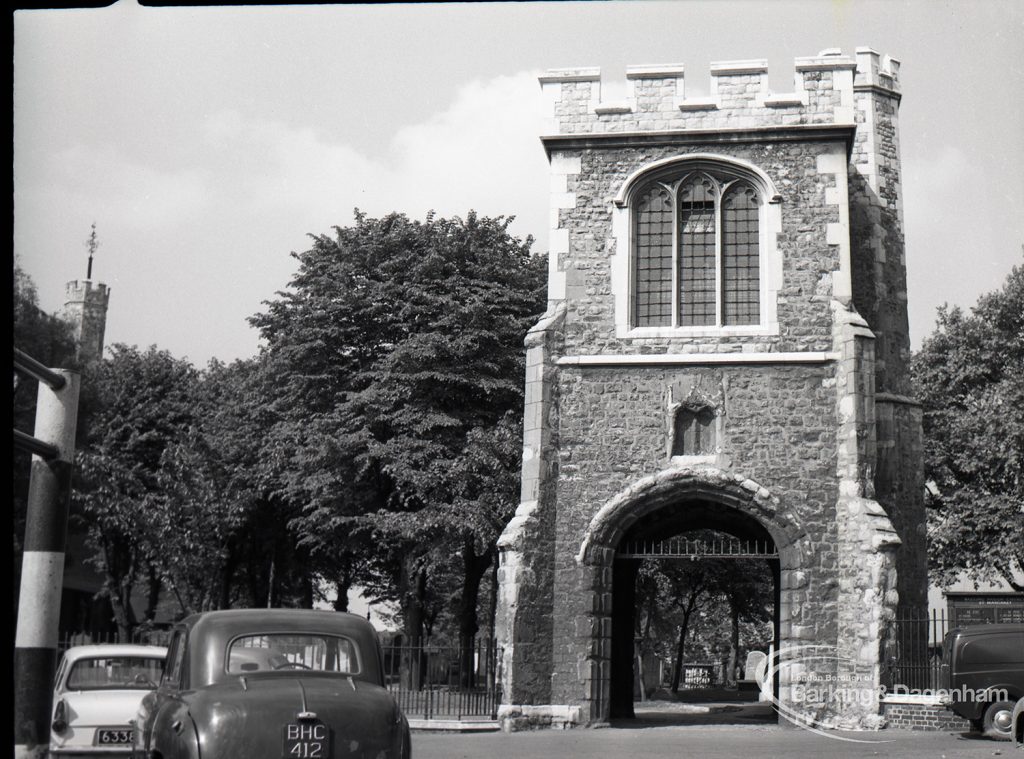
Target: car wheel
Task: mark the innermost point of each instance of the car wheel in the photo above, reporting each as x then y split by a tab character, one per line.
998	720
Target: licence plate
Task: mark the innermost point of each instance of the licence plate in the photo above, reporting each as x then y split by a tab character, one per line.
306	740
116	737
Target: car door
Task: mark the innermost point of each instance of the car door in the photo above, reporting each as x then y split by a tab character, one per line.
164	721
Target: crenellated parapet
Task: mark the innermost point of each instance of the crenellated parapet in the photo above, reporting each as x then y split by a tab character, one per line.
86	291
85	309
739	95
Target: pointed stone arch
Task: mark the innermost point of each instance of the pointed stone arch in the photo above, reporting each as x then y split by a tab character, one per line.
676	488
680	484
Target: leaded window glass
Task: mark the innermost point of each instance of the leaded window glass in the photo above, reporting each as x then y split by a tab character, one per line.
654	258
741	266
697	259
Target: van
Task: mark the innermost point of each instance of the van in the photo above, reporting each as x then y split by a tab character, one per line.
983	675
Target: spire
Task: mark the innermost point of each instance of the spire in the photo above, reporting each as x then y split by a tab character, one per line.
92	244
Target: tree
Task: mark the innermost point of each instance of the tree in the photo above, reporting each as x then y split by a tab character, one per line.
399	353
969	377
716	603
210	489
138	405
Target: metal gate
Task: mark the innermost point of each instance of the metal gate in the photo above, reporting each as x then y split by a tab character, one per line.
684	548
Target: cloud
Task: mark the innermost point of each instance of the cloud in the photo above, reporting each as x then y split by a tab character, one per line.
79	180
192	245
480	152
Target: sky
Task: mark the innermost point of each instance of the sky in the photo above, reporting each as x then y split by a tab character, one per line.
208	143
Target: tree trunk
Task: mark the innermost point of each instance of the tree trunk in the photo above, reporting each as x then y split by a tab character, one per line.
118	585
412	588
677	670
473	569
308	586
227	572
153	587
691	604
734	642
640	672
270	582
342	583
492	612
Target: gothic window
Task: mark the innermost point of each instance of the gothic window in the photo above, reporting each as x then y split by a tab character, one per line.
694	433
697	259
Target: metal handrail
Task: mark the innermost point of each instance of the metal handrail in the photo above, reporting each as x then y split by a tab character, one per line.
25	363
36	446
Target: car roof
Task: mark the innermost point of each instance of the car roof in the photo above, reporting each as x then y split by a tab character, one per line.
301	616
216	628
100	650
989	629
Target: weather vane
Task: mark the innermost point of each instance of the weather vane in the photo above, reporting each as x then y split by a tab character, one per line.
92	243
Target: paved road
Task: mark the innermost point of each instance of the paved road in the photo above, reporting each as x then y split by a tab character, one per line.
709	731
705	742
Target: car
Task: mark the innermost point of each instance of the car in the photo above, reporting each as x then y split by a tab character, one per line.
96	694
983	675
1017	722
280	683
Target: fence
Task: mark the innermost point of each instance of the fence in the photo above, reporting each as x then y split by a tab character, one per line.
429	681
433	681
144	638
914	653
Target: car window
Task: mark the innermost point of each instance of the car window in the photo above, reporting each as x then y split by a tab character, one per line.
175	656
292	651
60	672
120	672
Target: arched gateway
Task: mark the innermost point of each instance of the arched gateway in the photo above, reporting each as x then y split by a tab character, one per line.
726	348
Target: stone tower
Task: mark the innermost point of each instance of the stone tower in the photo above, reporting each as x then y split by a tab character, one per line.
85	308
726	347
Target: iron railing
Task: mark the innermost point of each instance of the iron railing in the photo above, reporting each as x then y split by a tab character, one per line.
433	681
145	638
429	681
914	651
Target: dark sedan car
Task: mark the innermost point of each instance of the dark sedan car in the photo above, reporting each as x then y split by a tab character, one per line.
255	683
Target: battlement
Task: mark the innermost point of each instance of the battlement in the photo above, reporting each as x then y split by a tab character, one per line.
826	89
86	291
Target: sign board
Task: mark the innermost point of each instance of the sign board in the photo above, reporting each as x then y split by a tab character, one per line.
985	608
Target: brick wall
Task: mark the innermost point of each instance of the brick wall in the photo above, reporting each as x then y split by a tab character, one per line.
923	717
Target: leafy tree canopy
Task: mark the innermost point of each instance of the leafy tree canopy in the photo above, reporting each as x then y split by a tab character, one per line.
970	379
398	358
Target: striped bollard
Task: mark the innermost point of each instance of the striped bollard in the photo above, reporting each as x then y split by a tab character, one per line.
42	566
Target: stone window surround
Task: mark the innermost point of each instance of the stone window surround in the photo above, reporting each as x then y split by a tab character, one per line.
770	224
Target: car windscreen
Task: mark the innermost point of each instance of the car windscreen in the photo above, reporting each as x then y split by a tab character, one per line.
115	672
316	652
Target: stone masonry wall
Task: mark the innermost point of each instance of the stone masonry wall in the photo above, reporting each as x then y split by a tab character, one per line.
876	219
812	413
779	428
808	260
